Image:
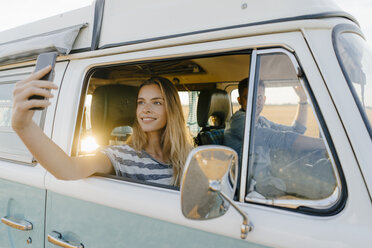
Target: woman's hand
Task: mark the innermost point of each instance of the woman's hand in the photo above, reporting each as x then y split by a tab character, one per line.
24	89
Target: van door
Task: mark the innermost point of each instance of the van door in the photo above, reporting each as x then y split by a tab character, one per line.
295	189
22	191
108	211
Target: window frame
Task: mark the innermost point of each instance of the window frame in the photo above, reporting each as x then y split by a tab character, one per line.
316	207
89	73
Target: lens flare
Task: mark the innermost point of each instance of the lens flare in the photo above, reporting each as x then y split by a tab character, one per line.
89	144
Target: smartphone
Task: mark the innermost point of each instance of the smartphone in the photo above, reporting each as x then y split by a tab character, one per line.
43	60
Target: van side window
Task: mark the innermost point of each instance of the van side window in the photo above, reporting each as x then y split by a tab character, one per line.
109	107
5	105
355	58
289	159
11	147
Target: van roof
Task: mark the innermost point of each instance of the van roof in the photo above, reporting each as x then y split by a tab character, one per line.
113	23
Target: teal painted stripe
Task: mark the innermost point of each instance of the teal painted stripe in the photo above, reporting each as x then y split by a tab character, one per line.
99	226
22	202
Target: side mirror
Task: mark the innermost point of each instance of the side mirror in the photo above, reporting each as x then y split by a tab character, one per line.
208	184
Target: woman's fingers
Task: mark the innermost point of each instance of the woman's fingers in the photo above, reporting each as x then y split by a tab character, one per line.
35	83
26	94
39	74
24	91
35	75
38	85
32	86
34	103
26	106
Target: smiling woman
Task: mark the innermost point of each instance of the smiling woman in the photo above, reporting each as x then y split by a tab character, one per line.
159	121
148	155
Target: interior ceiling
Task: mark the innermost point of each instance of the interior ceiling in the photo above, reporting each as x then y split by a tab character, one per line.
200	73
227	68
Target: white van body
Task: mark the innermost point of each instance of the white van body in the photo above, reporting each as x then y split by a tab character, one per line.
104	211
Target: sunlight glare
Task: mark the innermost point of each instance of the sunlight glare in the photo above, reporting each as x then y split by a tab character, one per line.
89	144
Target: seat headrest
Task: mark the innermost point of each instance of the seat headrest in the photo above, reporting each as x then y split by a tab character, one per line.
112	106
213	103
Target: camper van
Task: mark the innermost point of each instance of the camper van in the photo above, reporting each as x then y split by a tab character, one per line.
314	198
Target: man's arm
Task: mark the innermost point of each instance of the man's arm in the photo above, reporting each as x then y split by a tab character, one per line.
306	143
300	120
237	126
301	115
273	139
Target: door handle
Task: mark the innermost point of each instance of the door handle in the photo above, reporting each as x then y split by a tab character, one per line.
56	239
22	225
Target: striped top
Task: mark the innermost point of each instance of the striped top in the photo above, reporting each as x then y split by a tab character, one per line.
129	163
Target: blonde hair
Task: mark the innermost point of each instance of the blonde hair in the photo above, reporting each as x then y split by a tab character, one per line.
176	141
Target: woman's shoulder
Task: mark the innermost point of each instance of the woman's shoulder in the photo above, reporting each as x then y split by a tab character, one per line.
123	149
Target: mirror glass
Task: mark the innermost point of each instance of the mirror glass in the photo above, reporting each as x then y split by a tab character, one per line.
209	170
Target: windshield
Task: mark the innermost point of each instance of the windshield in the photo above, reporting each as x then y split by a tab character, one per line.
356	60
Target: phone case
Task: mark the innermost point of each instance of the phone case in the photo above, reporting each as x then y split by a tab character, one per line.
43	60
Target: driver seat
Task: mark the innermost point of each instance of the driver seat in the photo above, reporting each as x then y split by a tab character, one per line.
213	109
112	106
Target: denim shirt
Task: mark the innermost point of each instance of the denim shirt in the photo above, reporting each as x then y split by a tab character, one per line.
234	132
267	135
270	136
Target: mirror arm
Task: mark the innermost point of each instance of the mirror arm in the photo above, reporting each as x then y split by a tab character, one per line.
246	226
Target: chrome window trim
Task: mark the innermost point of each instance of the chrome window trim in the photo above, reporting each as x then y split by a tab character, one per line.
293	203
246	138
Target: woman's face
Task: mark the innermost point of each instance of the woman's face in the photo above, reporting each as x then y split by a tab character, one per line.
151	114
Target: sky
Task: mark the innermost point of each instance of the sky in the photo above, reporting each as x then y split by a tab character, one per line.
17	12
